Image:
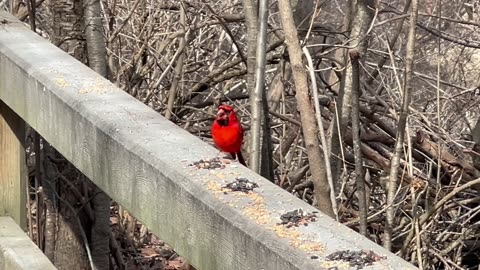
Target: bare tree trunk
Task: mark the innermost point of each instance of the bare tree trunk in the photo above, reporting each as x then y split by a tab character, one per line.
71	246
96	48
44	202
31	7
67	241
338	126
100	230
402	122
260	148
256	96
97	60
250	10
361	23
309	126
360	181
323	139
251	19
266	163
49	232
172	95
47	202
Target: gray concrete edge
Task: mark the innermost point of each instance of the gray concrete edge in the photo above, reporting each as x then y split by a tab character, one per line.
17	251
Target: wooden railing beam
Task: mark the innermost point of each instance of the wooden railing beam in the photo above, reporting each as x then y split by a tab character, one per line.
13	172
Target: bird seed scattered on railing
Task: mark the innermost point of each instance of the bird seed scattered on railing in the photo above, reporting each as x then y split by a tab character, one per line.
241	184
358	259
297	217
209	164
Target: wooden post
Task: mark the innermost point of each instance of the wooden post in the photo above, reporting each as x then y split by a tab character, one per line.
13	171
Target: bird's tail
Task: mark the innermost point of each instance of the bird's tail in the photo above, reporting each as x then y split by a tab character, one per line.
240	158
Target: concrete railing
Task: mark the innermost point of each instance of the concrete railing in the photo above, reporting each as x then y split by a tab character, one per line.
17	251
144	163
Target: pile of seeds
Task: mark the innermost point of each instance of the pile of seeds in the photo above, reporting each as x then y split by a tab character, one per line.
241	184
297	217
209	164
358	259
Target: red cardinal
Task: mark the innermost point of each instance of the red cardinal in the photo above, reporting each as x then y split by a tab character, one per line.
227	132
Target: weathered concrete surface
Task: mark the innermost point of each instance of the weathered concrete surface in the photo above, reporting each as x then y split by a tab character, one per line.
142	161
17	251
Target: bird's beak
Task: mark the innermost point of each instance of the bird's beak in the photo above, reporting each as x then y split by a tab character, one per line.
220	113
222	117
